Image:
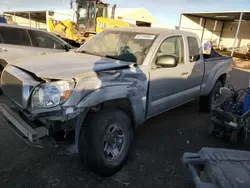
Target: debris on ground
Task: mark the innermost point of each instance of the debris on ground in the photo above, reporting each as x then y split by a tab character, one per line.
124	183
179	131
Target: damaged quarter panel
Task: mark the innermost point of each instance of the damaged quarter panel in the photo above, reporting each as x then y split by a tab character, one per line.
130	83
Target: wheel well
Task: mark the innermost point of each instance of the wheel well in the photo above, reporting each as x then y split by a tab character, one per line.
2	64
123	104
223	79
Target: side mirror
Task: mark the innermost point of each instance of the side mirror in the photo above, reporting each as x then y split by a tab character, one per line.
66	47
167	61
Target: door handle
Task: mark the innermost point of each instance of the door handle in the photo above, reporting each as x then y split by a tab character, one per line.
184	73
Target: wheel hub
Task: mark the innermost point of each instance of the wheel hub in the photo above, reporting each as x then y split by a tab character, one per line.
114	141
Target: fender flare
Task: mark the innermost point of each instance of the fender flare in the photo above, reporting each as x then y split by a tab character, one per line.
208	86
138	102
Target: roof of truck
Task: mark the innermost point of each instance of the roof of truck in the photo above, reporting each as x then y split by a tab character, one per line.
152	30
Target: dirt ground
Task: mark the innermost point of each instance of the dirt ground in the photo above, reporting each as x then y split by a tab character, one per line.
155	160
241	60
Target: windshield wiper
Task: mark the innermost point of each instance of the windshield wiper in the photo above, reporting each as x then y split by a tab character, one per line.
86	52
67	47
112	57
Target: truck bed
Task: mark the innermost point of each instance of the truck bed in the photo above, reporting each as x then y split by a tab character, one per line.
215	65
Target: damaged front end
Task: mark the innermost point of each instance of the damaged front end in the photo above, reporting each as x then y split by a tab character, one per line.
38	111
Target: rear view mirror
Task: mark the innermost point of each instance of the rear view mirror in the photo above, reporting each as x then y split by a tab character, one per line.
166	61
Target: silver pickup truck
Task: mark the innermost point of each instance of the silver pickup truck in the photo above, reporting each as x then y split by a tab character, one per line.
97	96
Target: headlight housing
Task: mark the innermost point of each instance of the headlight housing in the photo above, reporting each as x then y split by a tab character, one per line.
51	94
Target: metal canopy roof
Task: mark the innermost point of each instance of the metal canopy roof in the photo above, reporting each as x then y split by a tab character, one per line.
33	15
140	14
223	16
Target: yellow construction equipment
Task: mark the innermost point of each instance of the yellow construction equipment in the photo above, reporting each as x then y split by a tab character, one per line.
92	18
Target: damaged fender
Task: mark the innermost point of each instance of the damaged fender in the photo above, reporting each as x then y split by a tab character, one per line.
118	92
111	93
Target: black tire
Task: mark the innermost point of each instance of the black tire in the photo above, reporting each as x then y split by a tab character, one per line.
94	132
206	102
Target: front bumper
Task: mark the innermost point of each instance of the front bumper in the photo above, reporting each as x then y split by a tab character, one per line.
20	126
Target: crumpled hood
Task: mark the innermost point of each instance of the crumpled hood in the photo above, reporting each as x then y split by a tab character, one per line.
67	65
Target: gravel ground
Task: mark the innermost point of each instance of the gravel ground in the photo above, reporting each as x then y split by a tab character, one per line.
155	160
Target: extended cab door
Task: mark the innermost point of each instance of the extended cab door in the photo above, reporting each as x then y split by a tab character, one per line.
170	87
196	60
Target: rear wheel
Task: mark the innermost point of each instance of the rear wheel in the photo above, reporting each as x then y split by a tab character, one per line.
206	103
108	135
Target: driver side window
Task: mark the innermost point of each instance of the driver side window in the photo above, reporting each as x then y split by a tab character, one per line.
91	11
44	40
173	46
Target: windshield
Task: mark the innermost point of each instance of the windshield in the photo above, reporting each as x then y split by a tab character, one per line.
120	45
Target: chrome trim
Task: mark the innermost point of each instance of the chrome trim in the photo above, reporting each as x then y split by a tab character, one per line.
28	83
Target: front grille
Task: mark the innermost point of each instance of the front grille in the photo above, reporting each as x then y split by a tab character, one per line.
12	87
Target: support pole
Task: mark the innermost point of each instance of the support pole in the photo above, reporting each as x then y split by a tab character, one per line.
236	34
29	19
214	30
203	29
221	32
179	28
201	19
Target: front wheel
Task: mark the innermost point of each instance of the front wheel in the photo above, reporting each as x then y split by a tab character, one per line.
108	135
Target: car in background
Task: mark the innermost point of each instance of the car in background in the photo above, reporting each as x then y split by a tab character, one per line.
18	41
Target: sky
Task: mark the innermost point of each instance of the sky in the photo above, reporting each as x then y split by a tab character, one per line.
166	11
